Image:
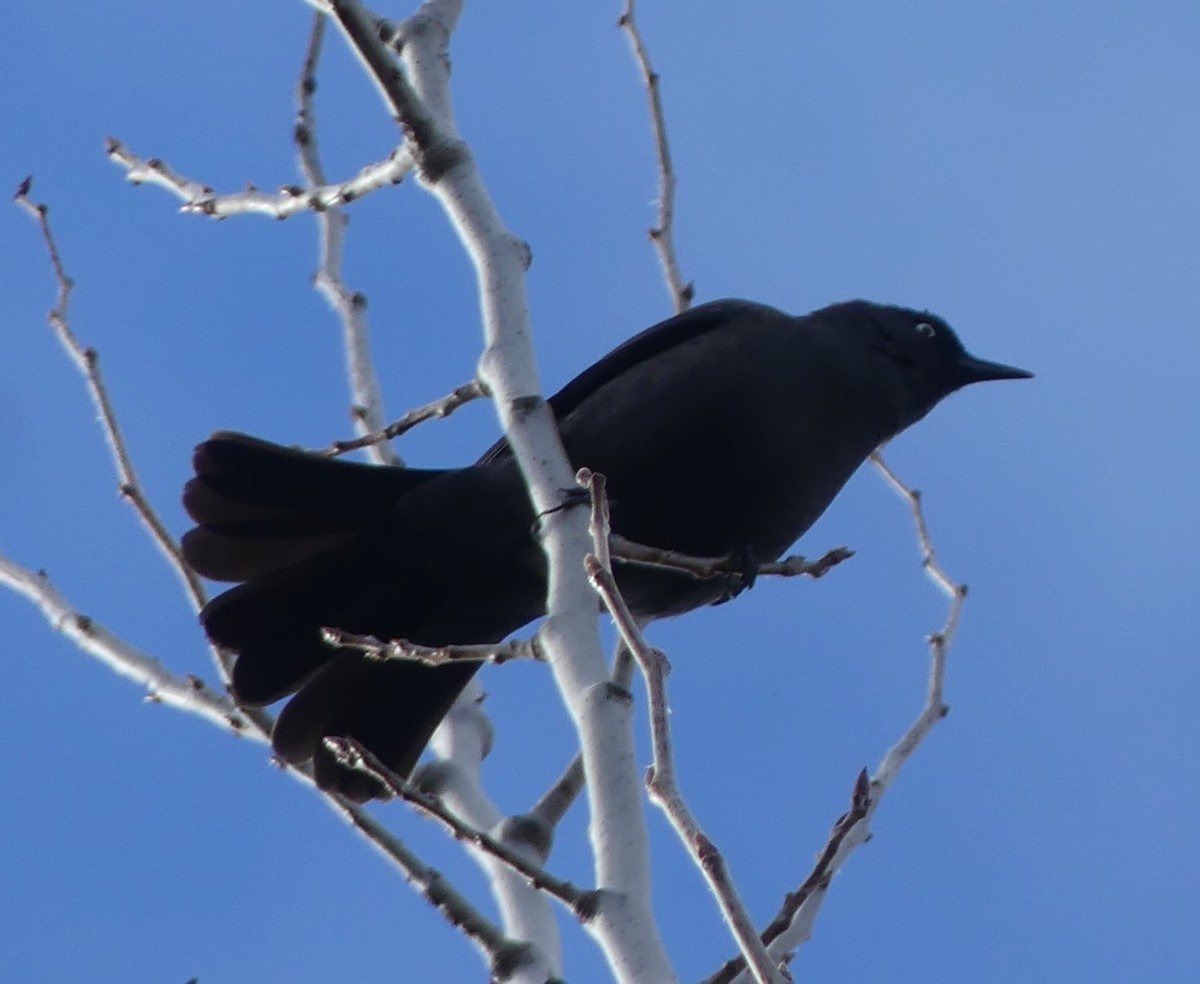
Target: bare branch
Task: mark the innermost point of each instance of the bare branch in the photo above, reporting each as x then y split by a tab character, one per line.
366	396
817	881
508	959
446	168
192	695
441	407
628	552
199	199
662	234
854	829
935	708
189	693
353	755
928	555
421	103
402	649
553	804
460	744
185	693
661	782
87	361
433	149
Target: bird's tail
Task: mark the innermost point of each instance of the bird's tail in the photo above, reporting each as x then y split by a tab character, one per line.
315	543
261	507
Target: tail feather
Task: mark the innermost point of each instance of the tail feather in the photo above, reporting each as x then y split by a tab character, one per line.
250	471
246	551
261	508
316	543
274	622
386	706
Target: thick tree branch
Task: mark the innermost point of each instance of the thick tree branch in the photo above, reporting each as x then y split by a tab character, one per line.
624	922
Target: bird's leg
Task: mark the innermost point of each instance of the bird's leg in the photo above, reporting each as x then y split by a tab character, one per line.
744	560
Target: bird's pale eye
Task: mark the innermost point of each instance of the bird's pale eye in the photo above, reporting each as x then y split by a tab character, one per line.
926	329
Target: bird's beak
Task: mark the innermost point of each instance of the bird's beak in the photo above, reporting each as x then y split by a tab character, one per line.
973	370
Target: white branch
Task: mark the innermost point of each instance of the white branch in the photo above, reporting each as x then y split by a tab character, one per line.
509	960
403	650
794	565
366	408
462	741
87	361
186	693
437	409
623	924
199	199
430	800
850	834
661	781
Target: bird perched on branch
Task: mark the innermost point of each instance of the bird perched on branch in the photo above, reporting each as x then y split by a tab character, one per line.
774	411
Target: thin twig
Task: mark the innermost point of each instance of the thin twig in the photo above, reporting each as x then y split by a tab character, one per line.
661	781
816	882
939	643
854	830
436	409
662	234
403	650
199	199
353	755
87	361
366	397
505	955
928	555
628	552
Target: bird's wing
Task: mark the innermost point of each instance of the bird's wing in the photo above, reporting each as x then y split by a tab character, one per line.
645	345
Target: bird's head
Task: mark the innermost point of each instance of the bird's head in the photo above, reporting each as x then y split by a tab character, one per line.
916	355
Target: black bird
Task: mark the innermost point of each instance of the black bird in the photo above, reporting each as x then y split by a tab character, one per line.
774	411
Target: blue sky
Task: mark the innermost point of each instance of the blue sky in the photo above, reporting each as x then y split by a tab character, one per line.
1026	170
